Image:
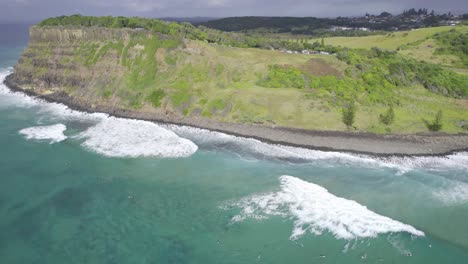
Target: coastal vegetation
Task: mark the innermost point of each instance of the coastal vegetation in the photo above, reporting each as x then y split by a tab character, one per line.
348	115
436	124
179	69
388	117
453	42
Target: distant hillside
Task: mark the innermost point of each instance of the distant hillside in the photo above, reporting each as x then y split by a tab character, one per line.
345	26
193	20
278	24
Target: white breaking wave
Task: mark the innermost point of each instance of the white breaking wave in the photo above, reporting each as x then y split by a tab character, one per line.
54	133
109	136
117	137
10	98
315	210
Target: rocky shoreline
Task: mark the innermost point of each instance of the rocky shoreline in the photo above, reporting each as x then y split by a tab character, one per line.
422	144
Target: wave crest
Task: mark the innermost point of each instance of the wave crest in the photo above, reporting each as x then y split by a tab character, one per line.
116	137
315	210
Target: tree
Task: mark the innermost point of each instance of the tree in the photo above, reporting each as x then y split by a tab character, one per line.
315	45
388	117
385	14
436	124
348	115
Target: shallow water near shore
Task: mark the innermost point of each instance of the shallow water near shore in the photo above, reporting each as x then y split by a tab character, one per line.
89	188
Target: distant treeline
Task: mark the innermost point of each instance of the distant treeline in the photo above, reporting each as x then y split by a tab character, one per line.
411	18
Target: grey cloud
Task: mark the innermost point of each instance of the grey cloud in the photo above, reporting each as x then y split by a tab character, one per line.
20	10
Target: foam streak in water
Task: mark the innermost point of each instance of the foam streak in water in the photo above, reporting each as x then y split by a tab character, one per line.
315	210
54	133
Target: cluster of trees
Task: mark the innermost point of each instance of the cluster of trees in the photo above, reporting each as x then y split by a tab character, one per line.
300	44
386	69
436	124
376	73
348	116
414	12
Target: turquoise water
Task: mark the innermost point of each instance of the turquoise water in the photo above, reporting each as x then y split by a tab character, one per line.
78	188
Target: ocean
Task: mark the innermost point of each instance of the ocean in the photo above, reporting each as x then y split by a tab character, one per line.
89	188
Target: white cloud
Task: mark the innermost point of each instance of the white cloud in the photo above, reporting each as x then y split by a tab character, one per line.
218	3
143	5
39	9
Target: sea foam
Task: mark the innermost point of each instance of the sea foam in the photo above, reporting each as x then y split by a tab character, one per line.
53	133
453	193
117	137
109	136
258	149
9	98
251	147
315	210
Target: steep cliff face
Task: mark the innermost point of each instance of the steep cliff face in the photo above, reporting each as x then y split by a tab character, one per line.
135	70
82	62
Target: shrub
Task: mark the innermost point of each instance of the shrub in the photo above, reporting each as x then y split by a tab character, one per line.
436	124
388	117
155	97
465	127
283	76
348	115
217	104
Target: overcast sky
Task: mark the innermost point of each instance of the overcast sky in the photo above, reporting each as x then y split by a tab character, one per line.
33	10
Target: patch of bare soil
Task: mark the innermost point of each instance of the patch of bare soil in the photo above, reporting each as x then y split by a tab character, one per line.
319	67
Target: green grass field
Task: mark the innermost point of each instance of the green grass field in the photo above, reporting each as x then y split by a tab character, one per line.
390	41
231	93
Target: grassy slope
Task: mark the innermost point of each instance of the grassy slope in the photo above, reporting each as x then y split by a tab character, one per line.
201	79
418	44
230	92
389	41
197	84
